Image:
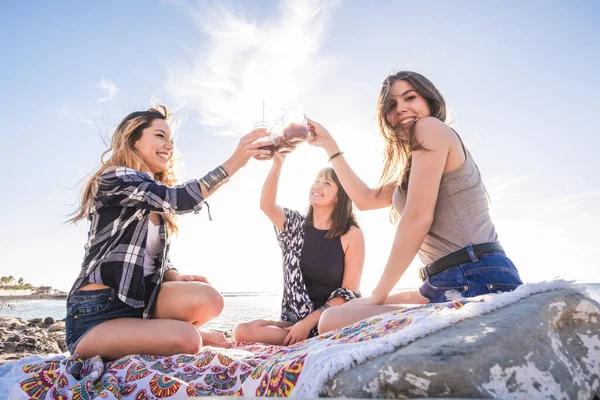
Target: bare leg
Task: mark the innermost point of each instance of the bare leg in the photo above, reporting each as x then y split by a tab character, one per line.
409	296
181	307
123	336
193	302
262	330
337	317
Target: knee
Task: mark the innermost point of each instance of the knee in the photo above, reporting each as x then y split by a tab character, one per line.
326	322
214	303
242	331
188	340
208	303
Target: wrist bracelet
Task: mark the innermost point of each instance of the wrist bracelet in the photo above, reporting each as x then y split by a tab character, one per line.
323	308
339	153
215	178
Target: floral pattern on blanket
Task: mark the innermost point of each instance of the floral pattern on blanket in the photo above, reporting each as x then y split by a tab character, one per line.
247	369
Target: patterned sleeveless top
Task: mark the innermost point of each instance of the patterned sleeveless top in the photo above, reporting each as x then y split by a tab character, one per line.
296	303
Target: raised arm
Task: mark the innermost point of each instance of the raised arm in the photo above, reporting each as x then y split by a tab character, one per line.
364	197
423	187
246	149
127	187
268	197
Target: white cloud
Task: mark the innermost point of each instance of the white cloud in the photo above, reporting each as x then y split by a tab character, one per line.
110	90
569	203
244	62
68	112
506	182
240	63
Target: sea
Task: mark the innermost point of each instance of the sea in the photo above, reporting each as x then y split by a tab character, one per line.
239	307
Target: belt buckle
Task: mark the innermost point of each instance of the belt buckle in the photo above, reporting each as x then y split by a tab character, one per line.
423	274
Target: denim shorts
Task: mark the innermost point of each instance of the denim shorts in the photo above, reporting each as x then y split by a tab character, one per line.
87	309
490	273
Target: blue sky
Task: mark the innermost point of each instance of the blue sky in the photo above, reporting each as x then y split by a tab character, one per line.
520	78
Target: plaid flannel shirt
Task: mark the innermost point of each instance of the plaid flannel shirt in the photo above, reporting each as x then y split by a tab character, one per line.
115	250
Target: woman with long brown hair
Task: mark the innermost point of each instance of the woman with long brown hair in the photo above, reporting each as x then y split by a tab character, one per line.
432	181
128	298
323	255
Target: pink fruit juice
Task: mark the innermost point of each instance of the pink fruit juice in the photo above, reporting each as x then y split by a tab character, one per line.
295	133
281	146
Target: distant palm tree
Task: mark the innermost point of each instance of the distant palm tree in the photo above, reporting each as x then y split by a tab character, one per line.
10	280
4	280
20	282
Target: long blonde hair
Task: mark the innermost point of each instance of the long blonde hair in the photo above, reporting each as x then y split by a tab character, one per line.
398	151
122	153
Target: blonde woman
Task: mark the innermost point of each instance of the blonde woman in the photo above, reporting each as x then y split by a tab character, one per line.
128	298
432	181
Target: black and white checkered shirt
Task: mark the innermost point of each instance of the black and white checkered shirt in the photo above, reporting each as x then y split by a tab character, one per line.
114	252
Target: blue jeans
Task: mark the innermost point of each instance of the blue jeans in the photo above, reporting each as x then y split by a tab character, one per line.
490	273
87	309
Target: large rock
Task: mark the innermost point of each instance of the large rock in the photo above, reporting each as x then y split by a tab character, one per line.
20	338
544	346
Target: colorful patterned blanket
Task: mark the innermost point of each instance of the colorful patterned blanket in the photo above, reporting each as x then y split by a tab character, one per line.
247	369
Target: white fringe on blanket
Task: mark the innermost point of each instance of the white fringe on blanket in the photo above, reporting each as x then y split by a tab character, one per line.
323	364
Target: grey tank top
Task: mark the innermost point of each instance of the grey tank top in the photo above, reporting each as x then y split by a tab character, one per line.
461	212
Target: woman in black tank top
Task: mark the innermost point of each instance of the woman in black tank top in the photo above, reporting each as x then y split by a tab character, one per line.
323	255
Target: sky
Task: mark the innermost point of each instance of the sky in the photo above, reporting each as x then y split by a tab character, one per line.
520	79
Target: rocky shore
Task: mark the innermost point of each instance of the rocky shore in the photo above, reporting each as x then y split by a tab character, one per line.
20	338
34	297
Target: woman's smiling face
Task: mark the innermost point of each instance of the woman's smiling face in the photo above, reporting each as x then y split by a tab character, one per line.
404	106
323	192
155	146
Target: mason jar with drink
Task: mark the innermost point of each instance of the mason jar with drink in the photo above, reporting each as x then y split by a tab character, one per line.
268	142
281	146
286	132
295	126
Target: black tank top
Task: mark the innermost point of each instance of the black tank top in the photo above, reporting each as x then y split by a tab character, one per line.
322	265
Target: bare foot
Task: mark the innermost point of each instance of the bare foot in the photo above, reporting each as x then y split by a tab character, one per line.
215	339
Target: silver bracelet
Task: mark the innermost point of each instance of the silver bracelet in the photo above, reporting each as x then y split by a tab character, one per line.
323	308
215	178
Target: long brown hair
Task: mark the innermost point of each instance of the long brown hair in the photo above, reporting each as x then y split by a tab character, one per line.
122	153
342	217
398	152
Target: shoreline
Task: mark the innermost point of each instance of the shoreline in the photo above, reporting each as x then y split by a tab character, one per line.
64	296
34	297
